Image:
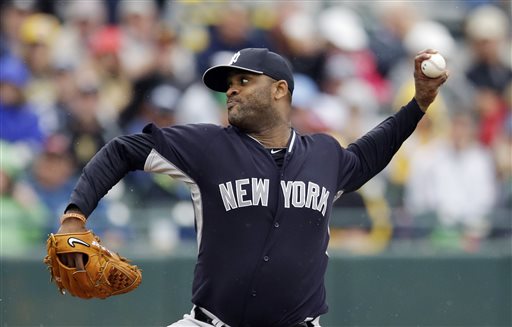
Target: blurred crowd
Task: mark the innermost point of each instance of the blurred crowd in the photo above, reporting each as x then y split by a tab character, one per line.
75	74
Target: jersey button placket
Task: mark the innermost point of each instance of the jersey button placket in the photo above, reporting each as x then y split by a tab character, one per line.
276	225
266	258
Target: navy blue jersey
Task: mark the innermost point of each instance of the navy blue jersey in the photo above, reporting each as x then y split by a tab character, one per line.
262	230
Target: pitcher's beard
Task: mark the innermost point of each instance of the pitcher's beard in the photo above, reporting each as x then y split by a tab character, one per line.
245	123
253	113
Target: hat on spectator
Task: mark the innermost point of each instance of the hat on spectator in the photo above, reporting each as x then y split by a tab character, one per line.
307	91
343	28
24	5
107	40
39	29
300	27
252	60
88	10
165	98
487	23
429	34
137	8
13	71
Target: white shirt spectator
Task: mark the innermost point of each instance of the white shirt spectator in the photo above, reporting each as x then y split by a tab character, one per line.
455	180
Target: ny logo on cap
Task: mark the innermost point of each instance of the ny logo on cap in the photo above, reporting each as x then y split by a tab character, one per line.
235	58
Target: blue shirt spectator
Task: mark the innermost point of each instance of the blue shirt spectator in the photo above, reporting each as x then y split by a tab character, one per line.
19	122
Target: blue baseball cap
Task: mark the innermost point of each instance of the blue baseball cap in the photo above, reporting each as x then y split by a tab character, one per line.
13	71
253	60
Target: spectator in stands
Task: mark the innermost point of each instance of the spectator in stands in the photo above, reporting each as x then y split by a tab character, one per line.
87	124
304	118
52	176
502	150
353	233
393	21
487	31
55	118
23	216
488	35
19	123
114	85
160	108
172	60
454	182
170	63
138	25
296	36
231	31
81	19
199	104
348	52
37	34
12	15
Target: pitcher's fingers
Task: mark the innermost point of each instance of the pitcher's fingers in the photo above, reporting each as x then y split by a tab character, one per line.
64	258
428	50
79	261
71	260
421	56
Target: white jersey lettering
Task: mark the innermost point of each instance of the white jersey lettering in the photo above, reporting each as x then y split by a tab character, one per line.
241	193
260	189
296	194
322	204
299	194
228	196
287	192
312	196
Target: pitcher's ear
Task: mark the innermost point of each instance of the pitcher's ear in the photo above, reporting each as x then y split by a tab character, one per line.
280	89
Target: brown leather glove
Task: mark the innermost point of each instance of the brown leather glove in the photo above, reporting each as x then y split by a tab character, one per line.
102	274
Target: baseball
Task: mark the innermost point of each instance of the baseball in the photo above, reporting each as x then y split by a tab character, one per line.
434	66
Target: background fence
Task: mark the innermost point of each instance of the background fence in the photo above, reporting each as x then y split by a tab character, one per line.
383	290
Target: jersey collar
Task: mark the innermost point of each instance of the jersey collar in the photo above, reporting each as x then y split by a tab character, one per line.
291	142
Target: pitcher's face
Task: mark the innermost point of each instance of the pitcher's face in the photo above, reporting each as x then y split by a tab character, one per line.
249	102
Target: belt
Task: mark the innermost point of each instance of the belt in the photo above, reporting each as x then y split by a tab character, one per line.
304	324
201	316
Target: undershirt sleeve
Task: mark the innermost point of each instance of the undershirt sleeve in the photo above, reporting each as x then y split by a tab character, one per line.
372	152
118	157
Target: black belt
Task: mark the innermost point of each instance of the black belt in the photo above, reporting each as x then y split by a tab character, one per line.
304	324
201	316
